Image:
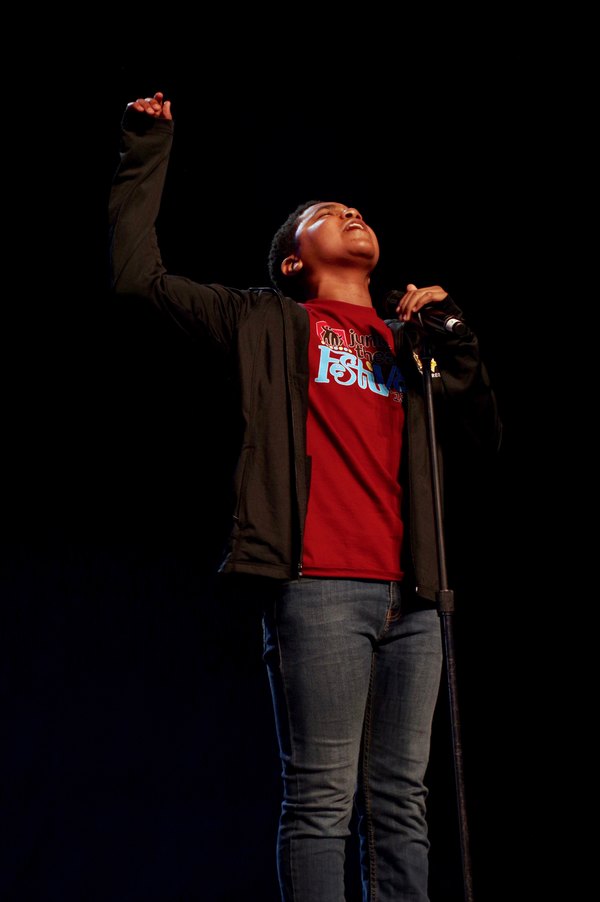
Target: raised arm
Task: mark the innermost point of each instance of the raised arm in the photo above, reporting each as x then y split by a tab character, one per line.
147	134
136	267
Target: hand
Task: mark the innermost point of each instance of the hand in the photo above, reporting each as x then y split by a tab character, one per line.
152	106
415	298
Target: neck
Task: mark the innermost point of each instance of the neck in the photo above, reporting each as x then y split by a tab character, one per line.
346	288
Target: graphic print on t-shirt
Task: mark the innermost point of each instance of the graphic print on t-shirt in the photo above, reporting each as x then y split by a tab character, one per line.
361	359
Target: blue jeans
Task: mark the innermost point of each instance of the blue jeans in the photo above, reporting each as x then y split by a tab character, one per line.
354	678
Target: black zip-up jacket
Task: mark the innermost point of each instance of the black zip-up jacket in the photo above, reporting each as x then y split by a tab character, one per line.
267	334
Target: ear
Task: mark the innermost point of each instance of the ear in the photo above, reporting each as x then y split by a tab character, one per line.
291	265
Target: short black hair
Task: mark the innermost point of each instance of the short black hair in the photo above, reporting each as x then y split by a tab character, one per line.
284	244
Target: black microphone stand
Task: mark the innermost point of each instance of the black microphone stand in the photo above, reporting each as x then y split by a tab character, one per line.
445	599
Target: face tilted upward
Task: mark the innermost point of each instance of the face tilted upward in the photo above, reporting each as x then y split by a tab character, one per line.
329	234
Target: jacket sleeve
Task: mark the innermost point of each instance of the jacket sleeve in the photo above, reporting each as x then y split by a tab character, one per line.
464	398
136	267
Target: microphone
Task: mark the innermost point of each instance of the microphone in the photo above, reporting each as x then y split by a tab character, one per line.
431	317
438	321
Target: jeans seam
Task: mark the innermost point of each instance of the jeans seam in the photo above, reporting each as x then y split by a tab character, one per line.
289	731
369	830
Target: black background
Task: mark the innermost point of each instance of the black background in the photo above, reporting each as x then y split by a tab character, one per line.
141	753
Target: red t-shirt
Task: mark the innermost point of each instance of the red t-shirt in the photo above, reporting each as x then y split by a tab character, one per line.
355	419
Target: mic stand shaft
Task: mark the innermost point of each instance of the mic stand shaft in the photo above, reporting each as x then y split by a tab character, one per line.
445	599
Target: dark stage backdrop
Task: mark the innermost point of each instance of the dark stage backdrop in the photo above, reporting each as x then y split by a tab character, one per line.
141	754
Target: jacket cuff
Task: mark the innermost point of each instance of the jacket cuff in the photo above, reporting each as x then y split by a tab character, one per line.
141	123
